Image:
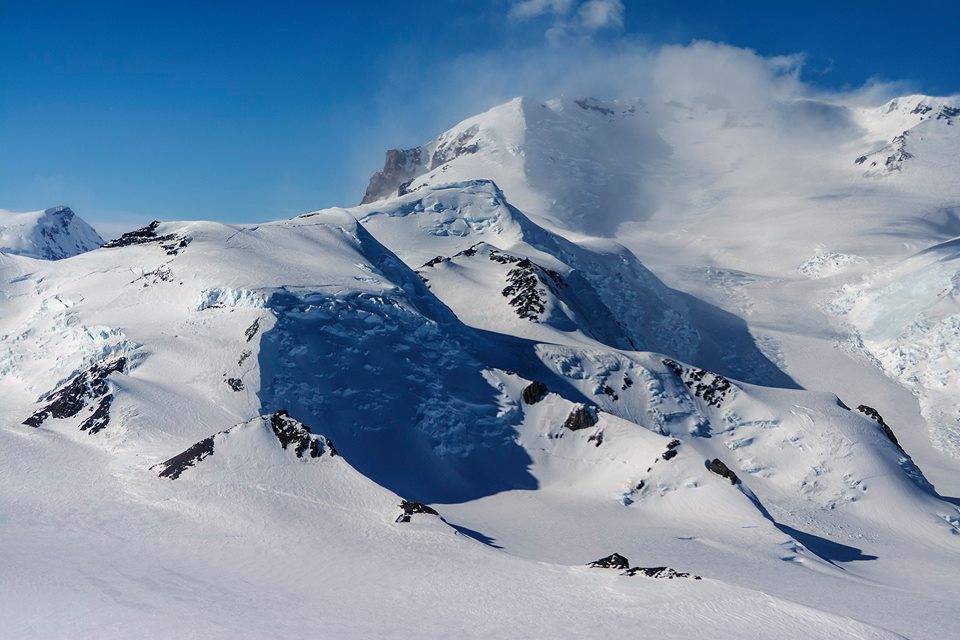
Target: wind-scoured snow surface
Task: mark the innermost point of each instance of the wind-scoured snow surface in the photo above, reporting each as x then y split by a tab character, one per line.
463	408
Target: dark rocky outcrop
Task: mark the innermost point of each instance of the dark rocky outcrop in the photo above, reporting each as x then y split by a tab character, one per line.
612	561
524	291
669	454
590	104
100	418
711	387
171	243
658	572
252	330
235	383
179	463
718	467
290	431
582	417
409	508
399	168
534	392
463	144
433	262
874	415
83	389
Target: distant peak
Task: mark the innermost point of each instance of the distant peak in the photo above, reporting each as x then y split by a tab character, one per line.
59	210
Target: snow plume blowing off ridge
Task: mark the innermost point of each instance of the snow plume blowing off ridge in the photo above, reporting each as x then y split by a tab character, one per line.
711	118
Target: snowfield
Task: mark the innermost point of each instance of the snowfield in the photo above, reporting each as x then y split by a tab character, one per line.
464	407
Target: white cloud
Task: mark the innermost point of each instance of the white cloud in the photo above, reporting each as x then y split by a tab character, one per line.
601	14
528	9
570	19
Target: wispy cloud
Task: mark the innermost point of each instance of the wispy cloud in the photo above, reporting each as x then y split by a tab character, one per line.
568	20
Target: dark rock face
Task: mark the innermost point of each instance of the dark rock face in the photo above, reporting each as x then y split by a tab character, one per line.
581	418
433	262
711	387
669	454
612	561
85	388
290	431
399	168
410	508
463	144
100	418
874	415
524	291
673	444
171	243
179	463
658	572
252	330
589	104
534	392
718	467
235	383
596	439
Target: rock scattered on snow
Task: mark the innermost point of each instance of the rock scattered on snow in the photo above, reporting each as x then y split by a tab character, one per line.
235	383
659	572
711	387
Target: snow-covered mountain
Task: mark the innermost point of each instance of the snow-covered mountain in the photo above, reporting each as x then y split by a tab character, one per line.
462	405
51	234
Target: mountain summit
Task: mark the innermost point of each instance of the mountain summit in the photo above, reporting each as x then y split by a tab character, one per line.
51	234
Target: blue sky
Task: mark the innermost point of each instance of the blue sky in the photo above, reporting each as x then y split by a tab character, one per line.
239	111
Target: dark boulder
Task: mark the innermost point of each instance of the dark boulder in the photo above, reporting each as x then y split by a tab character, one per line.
612	561
410	508
718	467
534	392
581	417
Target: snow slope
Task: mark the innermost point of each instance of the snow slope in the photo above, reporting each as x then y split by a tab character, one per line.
51	234
437	410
